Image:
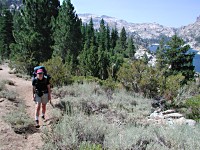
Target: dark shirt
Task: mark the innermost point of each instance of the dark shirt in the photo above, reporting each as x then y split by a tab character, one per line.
41	85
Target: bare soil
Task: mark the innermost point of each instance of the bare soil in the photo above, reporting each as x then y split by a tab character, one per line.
8	138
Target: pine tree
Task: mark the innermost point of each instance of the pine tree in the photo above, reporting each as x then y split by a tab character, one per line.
103	57
130	51
6	36
123	38
179	58
32	32
67	35
88	57
160	55
114	38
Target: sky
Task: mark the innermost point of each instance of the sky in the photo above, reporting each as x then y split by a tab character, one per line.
170	13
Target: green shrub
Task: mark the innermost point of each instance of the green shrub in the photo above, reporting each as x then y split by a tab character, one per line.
97	122
83	79
193	108
173	84
9	82
60	73
19	119
2	86
139	77
90	146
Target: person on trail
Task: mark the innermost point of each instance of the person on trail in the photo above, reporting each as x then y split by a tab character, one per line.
41	94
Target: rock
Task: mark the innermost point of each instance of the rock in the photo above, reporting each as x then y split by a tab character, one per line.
168	111
1	100
169	117
173	115
179	121
190	122
156	115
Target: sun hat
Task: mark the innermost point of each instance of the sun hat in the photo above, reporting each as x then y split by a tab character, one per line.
40	71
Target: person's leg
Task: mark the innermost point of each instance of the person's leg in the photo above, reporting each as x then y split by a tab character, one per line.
37	109
43	110
44	103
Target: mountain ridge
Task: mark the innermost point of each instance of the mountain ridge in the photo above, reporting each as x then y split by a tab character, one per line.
144	34
149	31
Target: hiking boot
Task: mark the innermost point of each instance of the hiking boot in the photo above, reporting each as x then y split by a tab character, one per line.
37	124
43	117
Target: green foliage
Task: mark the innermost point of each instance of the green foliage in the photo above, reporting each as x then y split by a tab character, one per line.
83	79
32	33
117	123
60	72
94	116
90	146
67	35
141	78
114	38
103	55
175	58
2	86
88	58
130	51
173	84
193	108
123	38
131	75
19	119
6	36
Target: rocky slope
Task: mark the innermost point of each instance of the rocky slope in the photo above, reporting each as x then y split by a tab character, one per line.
149	32
144	33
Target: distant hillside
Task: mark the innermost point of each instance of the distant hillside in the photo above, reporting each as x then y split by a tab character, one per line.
144	33
149	32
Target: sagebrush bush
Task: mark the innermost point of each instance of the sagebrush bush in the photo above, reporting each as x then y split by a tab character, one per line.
9	82
60	72
19	119
2	86
91	120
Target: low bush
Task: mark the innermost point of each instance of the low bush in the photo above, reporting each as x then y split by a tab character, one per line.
19	119
193	108
90	120
9	82
60	72
2	86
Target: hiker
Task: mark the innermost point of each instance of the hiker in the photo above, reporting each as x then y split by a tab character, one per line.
41	94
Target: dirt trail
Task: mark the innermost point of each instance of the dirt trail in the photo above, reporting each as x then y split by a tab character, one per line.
8	138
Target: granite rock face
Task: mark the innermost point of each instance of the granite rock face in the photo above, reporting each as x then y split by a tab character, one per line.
169	117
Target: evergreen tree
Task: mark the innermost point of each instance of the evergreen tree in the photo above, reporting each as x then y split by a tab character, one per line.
114	38
123	39
160	55
32	32
88	57
103	57
130	51
179	58
107	42
67	35
6	36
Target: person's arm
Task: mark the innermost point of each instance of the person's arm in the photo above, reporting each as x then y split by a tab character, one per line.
34	90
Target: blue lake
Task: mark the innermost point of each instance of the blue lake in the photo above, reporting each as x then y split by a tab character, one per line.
196	60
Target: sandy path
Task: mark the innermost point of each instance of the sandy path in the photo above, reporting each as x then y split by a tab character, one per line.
9	139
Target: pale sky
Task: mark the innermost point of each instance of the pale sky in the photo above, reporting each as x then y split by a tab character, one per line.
171	13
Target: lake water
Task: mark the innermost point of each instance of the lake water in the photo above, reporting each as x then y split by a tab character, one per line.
196	60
